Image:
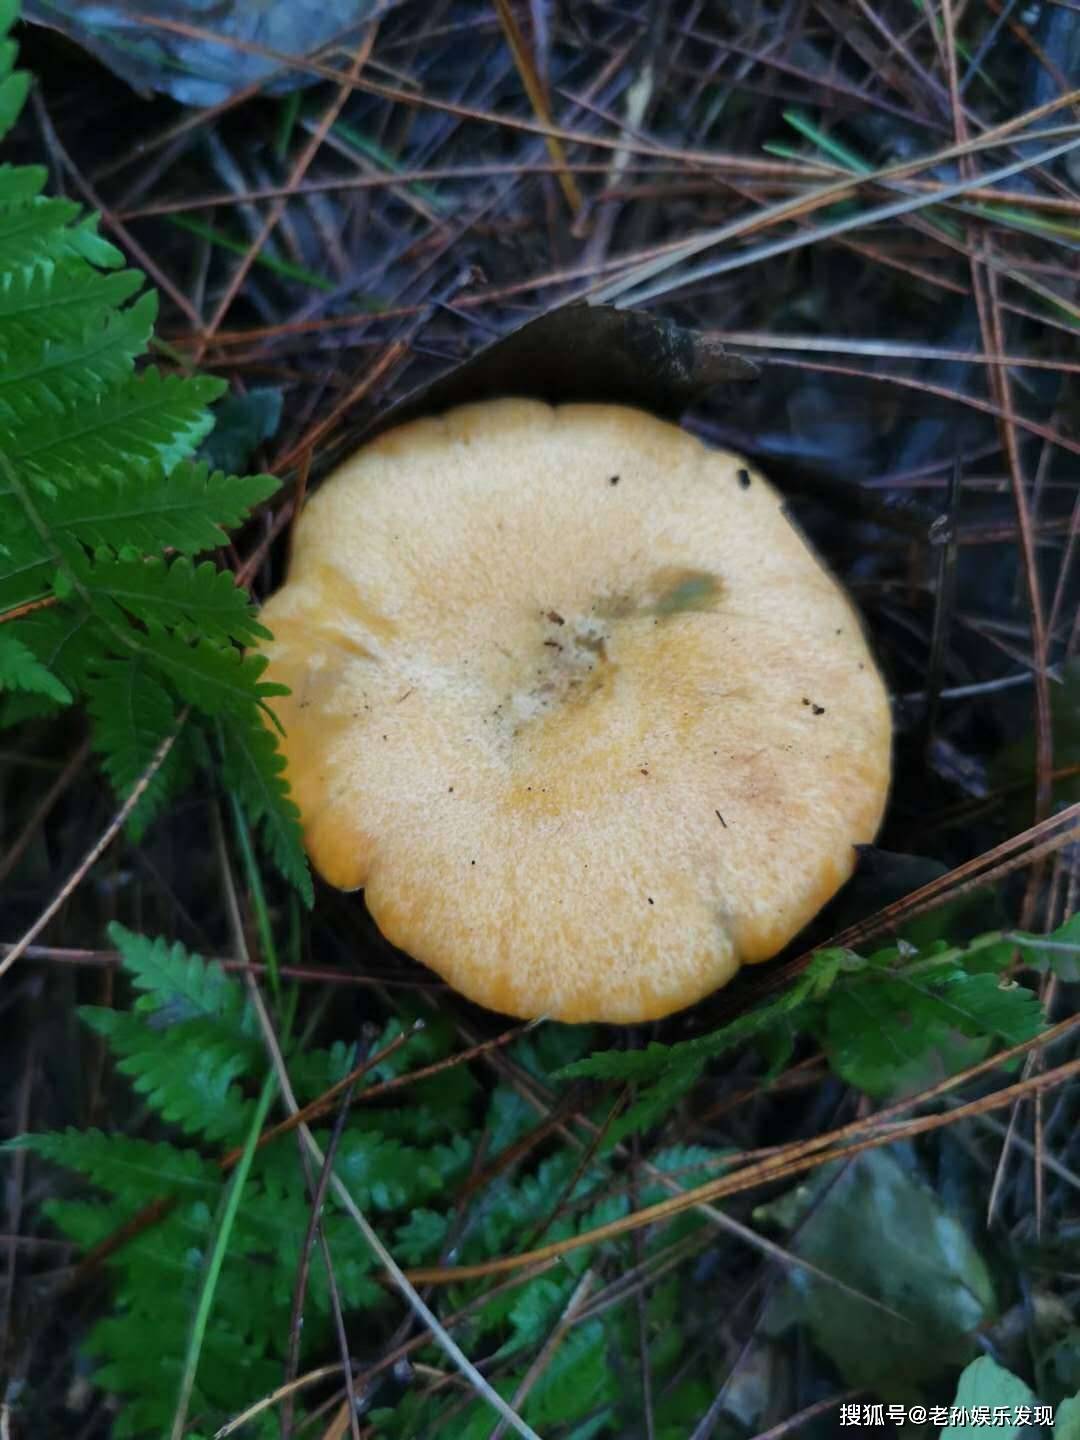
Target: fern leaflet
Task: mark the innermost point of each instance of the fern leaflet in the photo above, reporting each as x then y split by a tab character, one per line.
133	715
253	769
177	983
132	1170
147	417
193	600
186	1072
20	669
59	300
51	374
35	231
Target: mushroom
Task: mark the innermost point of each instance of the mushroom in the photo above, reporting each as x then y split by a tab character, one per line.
575	704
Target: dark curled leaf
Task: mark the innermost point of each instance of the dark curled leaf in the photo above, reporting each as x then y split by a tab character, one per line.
191	66
578	353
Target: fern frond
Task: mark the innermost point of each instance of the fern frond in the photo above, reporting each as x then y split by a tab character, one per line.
147	1387
656	1060
26	563
382	1174
20	669
46	375
147	509
216	680
59	299
17	707
132	717
21	184
136	1171
253	769
187	1072
97	458
148	417
66	641
86	1222
187	1047
176	984
36	231
194	600
151	509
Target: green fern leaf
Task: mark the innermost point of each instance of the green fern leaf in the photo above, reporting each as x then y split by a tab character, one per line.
133	716
382	1174
195	600
654	1102
146	1384
147	509
136	1171
13	91
534	1313
148	417
656	1060
50	375
23	579
157	1275
43	230
177	985
421	1239
16	708
97	459
272	1225
253	768
20	184
20	669
67	642
86	1222
28	227
1058	952
26	563
60	300
216	680
875	1030
188	509
187	1072
578	1380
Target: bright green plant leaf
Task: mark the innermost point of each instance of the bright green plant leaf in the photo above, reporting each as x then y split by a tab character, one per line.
987	1385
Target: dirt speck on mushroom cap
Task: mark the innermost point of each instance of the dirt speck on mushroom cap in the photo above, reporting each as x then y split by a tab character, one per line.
560	638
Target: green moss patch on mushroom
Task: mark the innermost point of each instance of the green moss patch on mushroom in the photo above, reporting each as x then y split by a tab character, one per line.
686	590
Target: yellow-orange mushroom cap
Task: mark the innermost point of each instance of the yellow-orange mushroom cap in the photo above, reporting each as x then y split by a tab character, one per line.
575	704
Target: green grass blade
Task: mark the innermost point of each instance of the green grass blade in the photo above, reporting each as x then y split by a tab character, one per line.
217	1257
